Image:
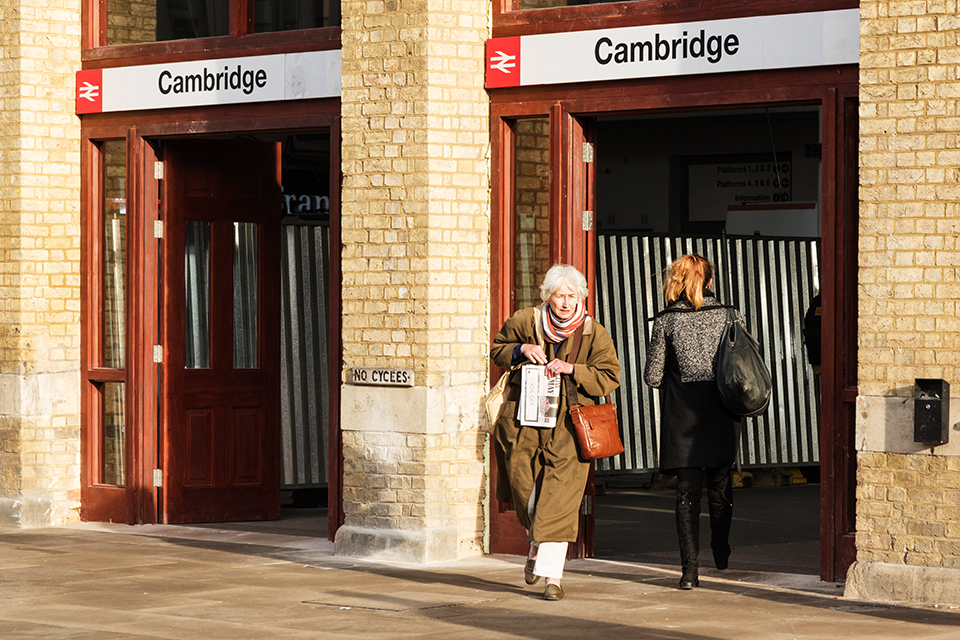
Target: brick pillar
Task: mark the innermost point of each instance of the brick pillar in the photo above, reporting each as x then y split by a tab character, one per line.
39	264
415	228
908	493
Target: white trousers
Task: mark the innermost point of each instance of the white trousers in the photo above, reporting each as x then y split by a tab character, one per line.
551	556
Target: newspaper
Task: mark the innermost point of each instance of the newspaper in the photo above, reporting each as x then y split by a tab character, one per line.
539	397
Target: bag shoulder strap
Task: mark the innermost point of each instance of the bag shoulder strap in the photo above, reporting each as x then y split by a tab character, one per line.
572	358
568	379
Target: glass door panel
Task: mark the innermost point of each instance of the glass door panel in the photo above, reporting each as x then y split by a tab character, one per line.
532	209
197	284
245	239
114	439
114	271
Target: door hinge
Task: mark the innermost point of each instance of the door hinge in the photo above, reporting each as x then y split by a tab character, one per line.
588	220
588	152
158	170
158	477
158	353
158	228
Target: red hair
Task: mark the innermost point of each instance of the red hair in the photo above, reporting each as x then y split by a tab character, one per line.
686	278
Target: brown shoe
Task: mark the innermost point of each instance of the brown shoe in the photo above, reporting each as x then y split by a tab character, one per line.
553	592
528	575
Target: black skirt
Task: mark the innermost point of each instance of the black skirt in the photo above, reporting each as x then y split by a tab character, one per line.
696	429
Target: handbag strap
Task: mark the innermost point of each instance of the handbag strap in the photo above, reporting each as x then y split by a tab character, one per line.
572	358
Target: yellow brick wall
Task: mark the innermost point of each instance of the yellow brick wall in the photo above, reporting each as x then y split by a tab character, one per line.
415	260
908	509
908	497
909	193
415	195
40	259
131	21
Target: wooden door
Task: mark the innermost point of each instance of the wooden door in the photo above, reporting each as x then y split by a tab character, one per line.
220	433
583	255
838	456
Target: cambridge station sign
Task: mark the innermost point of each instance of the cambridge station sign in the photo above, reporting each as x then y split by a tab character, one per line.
714	46
291	76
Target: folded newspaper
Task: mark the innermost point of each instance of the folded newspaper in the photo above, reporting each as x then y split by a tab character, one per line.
539	397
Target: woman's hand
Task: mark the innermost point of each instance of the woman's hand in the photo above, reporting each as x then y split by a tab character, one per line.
534	353
557	367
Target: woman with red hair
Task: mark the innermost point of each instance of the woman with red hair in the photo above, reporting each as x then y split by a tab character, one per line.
698	435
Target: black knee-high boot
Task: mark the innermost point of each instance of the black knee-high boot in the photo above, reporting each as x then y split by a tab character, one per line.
720	499
688	530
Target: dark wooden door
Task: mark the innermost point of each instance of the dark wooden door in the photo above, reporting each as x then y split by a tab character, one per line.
220	432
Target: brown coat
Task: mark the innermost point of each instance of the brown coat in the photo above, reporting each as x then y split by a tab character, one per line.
548	458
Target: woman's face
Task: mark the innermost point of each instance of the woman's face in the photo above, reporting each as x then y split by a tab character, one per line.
564	301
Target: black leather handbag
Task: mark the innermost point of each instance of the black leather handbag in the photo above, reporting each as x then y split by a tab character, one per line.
743	378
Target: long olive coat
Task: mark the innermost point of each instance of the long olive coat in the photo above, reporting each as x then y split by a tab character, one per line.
548	459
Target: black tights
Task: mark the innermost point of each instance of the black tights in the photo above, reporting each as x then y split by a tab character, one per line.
719	483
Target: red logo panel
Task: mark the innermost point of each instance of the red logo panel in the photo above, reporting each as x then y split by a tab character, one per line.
90	91
503	62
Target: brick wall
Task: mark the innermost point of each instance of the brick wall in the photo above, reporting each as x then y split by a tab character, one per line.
910	188
908	496
415	261
39	263
909	509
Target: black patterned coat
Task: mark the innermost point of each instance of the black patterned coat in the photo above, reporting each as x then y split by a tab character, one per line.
696	429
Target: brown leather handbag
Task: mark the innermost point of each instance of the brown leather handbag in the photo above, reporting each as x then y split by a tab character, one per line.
598	432
596	426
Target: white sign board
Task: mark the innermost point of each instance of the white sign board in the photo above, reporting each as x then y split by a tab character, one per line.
713	46
713	186
291	76
382	376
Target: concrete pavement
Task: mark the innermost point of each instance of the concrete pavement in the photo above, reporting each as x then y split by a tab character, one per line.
113	581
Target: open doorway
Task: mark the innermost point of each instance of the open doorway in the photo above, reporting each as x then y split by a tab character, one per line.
742	188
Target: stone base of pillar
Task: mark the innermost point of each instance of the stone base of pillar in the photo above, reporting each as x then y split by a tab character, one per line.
30	510
432	545
884	582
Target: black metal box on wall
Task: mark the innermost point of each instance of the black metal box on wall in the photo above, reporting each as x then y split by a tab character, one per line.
931	414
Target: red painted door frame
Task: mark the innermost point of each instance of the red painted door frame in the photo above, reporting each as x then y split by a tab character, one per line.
835	90
137	502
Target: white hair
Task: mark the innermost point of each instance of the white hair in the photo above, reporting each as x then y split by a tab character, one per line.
560	273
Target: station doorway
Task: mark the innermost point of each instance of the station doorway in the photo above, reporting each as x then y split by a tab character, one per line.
760	181
212	316
744	189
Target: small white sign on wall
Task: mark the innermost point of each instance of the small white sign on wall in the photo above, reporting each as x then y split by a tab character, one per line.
381	376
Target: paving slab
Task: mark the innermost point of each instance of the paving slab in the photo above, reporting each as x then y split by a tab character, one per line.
112	581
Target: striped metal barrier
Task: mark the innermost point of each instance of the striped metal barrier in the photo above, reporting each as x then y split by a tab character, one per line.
771	281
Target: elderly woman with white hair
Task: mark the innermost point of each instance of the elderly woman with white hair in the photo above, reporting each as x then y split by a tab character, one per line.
540	471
